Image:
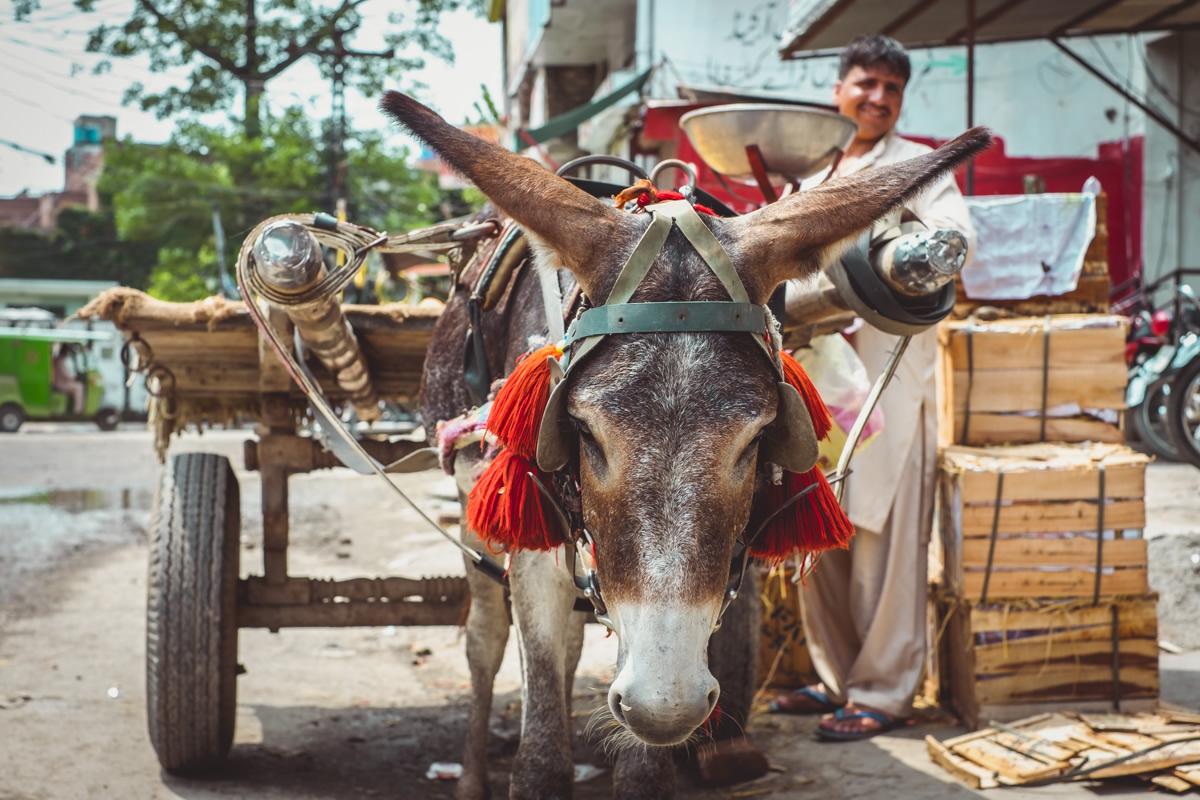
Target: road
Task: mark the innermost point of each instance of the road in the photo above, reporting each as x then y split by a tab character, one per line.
336	713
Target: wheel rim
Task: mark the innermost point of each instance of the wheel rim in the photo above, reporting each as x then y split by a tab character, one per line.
9	420
1191	411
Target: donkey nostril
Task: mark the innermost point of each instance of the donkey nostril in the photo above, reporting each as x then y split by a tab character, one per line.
712	698
619	708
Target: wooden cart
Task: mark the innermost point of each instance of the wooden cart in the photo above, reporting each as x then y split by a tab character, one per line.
206	363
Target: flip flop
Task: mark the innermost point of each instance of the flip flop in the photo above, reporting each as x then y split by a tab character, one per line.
824	705
886	724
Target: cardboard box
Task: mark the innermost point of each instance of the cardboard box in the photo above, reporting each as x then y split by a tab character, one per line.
1033	521
998	380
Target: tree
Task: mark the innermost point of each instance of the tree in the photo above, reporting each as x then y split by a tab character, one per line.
241	45
85	247
165	195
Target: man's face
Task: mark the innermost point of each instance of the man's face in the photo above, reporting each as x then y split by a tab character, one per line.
871	96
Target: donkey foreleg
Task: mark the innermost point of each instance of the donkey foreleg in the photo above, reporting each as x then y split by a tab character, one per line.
644	773
487	635
542	596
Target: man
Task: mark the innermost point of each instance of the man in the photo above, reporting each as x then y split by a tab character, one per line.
864	608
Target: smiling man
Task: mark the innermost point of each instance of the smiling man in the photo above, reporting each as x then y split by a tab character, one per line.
864	608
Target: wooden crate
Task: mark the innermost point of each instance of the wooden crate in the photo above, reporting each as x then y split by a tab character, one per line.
1042	540
995	372
782	644
1009	660
1160	748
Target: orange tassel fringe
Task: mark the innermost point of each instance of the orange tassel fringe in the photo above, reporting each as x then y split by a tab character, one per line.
516	414
506	509
815	522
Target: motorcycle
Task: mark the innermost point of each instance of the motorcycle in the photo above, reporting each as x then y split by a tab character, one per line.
1161	346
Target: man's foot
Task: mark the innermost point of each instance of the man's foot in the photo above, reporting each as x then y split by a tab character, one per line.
856	721
808	700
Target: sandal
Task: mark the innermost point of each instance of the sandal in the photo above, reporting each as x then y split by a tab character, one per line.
886	723
807	700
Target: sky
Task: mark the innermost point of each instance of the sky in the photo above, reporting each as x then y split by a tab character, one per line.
46	81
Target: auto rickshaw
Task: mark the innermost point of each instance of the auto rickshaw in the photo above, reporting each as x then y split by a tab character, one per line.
50	374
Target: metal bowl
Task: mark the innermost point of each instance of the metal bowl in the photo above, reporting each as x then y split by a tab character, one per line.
795	142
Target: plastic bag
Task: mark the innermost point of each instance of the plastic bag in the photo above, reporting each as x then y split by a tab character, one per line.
842	380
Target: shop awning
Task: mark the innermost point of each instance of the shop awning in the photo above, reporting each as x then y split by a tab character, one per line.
565	123
822	27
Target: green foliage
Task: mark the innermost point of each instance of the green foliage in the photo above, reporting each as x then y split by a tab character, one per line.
165	195
211	39
84	247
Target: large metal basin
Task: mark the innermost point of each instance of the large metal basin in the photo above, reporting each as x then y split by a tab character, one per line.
795	142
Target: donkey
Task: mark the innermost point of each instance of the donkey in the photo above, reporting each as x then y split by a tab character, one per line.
668	433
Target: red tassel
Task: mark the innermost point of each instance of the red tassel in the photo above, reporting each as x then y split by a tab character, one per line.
813	523
794	374
516	414
506	509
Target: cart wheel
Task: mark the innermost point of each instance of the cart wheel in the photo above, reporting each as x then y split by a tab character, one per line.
12	416
107	419
191	620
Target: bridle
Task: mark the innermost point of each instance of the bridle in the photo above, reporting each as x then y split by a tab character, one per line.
792	444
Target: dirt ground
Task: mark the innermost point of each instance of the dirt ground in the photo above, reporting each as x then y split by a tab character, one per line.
337	713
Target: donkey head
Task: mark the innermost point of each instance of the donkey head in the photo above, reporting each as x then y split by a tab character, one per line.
668	425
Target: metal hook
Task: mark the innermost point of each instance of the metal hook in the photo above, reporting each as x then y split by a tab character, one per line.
674	163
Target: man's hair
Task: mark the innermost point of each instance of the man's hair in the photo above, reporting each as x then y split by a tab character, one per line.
875	50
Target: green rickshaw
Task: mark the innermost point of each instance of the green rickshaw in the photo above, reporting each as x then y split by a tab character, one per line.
51	374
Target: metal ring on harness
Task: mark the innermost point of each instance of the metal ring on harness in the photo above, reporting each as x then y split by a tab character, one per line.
674	163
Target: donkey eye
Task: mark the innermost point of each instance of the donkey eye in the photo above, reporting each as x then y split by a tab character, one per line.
583	430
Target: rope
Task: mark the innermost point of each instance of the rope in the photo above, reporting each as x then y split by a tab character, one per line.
970	330
1045	375
1099	540
987	575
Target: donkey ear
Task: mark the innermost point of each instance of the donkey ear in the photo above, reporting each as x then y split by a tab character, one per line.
572	222
802	233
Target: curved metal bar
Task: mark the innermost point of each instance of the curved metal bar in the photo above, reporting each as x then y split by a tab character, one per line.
612	161
674	163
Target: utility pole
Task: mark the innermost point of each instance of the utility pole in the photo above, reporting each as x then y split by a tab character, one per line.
338	54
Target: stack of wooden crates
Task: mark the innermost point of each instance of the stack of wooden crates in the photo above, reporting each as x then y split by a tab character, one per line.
1039	596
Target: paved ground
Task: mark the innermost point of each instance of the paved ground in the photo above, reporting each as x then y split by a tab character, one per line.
329	713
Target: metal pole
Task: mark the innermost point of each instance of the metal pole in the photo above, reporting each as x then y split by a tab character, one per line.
971	87
1146	109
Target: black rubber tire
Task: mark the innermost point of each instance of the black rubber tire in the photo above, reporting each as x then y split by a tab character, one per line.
107	419
1148	421
191	618
1180	403
12	417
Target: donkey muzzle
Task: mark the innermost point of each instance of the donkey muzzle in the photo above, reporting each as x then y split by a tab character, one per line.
663	690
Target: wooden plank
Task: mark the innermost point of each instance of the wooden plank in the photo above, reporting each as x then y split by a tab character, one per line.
1122	481
1095	386
1171	782
1141	609
1018	767
1058	629
1043	750
1090	296
1038	658
1029	552
1086	682
1019	344
1072	516
1009	712
1163	758
965	770
1065	583
1007	428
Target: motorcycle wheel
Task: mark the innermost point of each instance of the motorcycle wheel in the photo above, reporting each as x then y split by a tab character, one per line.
1149	422
1183	412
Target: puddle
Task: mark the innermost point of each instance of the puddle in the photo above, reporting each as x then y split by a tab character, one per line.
44	529
78	501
